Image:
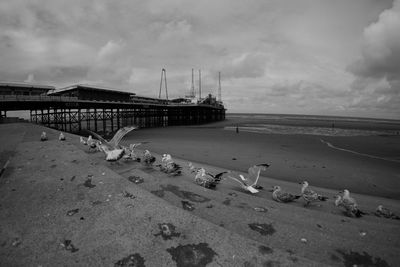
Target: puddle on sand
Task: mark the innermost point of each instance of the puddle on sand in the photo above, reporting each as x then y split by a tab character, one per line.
88	183
195	255
262	228
265	250
159	193
133	260
226	202
184	194
167	231
353	258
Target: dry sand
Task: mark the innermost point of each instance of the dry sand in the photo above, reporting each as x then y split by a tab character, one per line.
276	233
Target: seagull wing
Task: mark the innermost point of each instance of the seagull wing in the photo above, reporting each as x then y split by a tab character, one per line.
252	189
254	174
102	140
120	134
237	180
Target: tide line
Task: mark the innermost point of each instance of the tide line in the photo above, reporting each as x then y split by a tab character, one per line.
357	153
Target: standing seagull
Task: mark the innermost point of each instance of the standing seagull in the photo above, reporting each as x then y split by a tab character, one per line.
351	204
111	148
148	158
169	166
43	136
250	183
310	195
61	137
281	196
351	209
206	179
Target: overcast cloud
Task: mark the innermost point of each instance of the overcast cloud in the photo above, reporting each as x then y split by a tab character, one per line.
309	57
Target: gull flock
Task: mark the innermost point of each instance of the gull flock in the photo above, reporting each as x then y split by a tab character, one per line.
114	151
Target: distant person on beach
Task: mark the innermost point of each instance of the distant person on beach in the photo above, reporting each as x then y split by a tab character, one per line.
237	128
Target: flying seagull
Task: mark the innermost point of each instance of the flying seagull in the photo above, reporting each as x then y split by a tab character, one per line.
310	195
43	136
250	183
111	148
281	196
385	212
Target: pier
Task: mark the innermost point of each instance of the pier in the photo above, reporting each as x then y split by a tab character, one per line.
79	107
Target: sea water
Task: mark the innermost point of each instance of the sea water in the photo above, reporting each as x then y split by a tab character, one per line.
313	125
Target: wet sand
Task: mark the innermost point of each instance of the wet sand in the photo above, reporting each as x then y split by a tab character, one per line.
292	158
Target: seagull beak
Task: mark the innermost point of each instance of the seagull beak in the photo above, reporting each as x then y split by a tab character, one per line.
271	190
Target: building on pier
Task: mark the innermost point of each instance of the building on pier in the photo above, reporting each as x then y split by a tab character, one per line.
24	89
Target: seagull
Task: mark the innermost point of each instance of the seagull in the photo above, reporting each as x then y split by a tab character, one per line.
281	196
250	183
385	212
192	168
129	152
148	158
83	141
43	136
309	195
61	137
206	179
169	166
349	205
111	148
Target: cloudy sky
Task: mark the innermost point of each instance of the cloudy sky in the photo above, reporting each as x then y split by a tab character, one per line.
318	57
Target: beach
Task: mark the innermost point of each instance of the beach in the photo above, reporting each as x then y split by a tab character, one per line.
293	158
227	226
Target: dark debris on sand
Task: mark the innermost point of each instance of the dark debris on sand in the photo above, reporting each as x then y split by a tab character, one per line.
136	179
133	260
72	212
167	231
187	205
67	245
262	228
195	255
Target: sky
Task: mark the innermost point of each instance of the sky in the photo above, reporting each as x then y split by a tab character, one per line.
316	57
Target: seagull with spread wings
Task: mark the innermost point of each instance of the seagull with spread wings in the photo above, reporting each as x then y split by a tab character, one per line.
250	183
111	148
